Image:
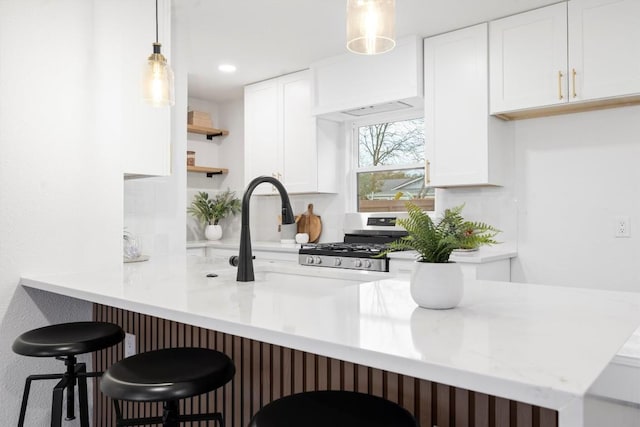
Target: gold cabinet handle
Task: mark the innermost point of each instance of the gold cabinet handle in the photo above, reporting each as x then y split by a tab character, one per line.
560	76
573	77
428	172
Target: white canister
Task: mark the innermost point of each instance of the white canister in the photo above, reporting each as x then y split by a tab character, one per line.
288	233
302	238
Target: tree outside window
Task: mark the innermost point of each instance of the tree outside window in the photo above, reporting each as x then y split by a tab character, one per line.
390	170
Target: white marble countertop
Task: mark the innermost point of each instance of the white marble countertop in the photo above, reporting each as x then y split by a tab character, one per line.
482	255
543	345
235	244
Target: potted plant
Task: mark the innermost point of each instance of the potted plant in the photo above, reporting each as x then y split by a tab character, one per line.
210	211
436	282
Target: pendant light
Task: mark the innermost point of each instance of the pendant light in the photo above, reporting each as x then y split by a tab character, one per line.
371	26
157	81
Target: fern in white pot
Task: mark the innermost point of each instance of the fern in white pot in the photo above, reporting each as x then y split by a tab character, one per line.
210	211
436	282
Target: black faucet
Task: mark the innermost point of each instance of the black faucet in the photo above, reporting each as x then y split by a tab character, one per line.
245	258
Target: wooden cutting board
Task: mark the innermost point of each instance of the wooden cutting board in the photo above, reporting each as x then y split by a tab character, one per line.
311	224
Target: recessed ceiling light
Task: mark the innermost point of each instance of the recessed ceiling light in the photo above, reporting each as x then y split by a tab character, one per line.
227	68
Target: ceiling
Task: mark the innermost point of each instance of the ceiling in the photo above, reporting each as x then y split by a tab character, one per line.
267	38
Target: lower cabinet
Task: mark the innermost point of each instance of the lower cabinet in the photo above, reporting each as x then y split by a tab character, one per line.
492	270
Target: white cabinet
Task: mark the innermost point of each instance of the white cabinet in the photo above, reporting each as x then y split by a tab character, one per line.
283	140
348	82
604	48
491	270
465	146
566	57
529	59
124	34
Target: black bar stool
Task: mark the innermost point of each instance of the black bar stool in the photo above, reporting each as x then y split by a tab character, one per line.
333	408
167	376
65	341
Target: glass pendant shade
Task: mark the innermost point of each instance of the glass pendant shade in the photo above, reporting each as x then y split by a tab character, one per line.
157	80
371	26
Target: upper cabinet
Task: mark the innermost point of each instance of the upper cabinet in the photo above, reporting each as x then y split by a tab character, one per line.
565	57
529	59
348	86
283	139
604	48
465	145
124	34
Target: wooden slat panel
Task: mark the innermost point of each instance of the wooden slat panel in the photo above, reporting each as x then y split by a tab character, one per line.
502	417
310	368
425	414
298	371
524	415
265	372
376	384
461	408
443	403
548	418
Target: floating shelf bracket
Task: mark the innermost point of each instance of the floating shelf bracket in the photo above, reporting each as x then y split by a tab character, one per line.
210	174
210	136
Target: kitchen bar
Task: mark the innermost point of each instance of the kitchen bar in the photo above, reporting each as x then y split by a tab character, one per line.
518	341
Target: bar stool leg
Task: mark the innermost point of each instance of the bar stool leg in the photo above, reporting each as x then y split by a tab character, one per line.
27	388
56	406
81	371
170	414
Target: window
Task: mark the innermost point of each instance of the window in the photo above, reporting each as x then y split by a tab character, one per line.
390	165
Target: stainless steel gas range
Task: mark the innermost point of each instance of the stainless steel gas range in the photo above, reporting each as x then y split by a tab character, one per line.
366	235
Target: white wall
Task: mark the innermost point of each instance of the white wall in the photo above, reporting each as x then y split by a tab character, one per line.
574	173
155	208
60	179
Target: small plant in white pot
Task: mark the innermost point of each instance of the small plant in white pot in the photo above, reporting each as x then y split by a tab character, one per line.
436	282
210	211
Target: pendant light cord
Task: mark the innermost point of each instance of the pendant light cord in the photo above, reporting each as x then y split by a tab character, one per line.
156	21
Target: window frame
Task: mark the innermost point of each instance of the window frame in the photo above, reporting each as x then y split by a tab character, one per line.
353	139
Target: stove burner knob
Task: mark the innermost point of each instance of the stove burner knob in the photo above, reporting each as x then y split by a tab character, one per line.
337	262
317	260
357	263
367	263
309	260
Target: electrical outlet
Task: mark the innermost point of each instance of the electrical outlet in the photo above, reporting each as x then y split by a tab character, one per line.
129	345
621	225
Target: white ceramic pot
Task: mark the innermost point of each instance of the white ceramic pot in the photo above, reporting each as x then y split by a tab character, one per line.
437	285
213	232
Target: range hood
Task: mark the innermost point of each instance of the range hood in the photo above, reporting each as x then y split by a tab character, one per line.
375	109
349	86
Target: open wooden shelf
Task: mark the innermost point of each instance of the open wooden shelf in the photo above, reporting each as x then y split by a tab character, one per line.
209	171
209	132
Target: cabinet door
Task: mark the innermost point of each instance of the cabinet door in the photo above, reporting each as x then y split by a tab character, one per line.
262	147
604	48
528	59
299	152
455	70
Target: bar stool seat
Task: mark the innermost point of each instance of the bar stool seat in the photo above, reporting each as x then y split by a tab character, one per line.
333	408
167	375
65	341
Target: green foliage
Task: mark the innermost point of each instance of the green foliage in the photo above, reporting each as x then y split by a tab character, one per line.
211	211
434	242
